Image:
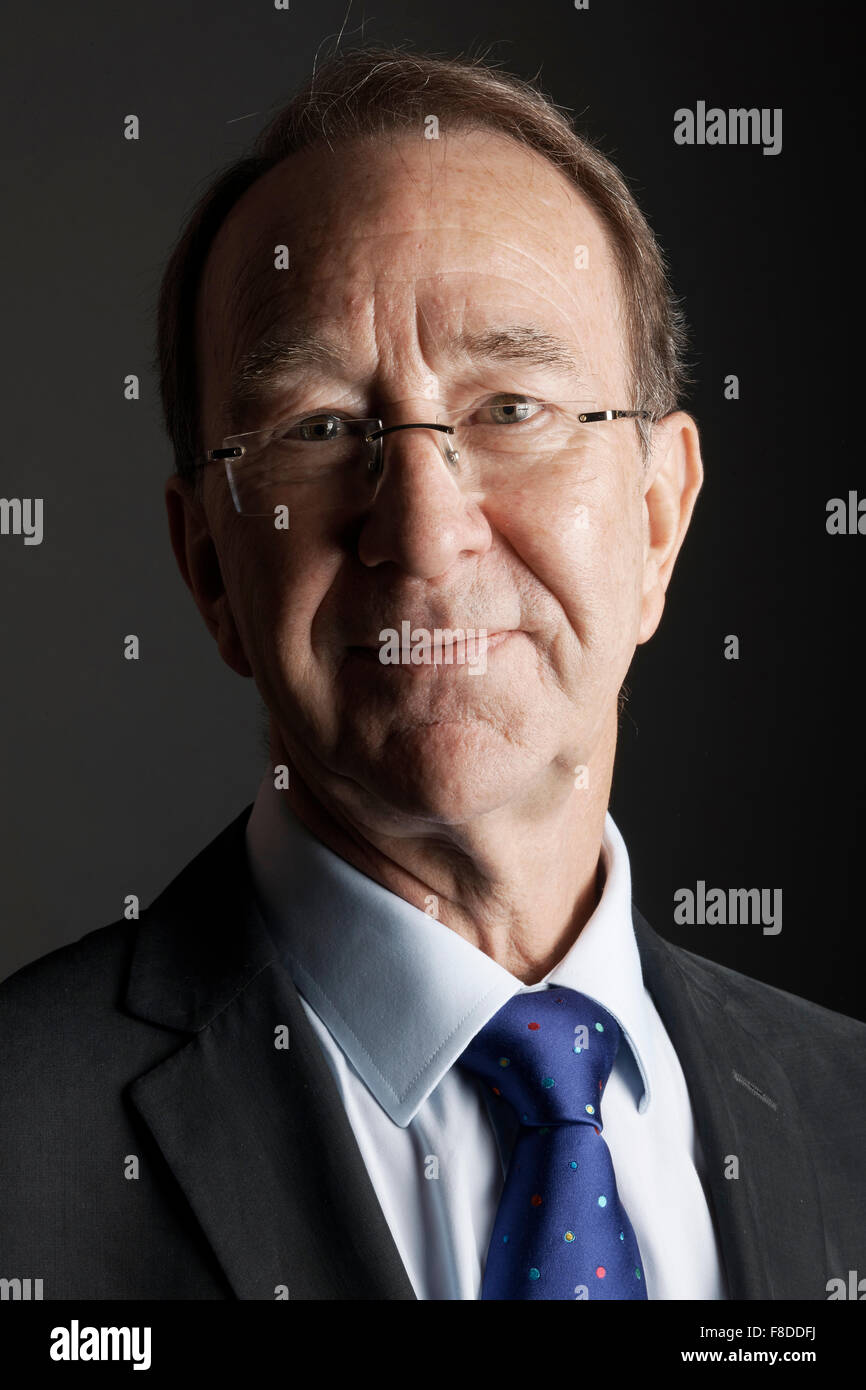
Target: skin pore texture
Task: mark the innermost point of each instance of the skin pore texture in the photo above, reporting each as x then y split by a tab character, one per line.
407	256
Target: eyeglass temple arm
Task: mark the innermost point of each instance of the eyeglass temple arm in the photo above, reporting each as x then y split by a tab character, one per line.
215	456
615	415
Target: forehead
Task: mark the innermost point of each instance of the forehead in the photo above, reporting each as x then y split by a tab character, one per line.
472	224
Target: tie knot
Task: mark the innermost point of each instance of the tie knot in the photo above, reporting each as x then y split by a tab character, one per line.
549	1053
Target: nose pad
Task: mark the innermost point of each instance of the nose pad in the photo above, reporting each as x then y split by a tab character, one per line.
374	456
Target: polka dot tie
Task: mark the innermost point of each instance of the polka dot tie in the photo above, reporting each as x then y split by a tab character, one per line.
561	1231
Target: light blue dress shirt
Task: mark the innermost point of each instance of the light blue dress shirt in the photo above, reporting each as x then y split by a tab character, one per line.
395	996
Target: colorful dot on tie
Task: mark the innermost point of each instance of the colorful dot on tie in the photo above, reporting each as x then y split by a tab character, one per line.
622	1235
545	1129
637	1273
505	1240
548	1081
577	1047
559	1001
596	1128
599	1085
496	1091
534	1027
599	1027
602	1201
600	1272
590	1109
536	1199
535	1274
569	1236
503	1061
573	1163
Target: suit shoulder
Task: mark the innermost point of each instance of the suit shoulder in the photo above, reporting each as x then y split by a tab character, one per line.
774	1013
58	1001
88	963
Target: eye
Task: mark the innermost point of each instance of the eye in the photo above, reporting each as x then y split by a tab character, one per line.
509	412
312	430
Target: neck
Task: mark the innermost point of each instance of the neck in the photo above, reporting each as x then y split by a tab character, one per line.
517	884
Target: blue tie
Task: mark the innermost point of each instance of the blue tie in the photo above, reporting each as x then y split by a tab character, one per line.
561	1231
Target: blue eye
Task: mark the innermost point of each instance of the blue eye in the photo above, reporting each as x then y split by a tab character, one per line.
315	429
510	412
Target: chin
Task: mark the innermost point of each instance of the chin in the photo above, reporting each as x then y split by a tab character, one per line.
449	773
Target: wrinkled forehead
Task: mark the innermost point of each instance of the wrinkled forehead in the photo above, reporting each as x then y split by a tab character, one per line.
468	230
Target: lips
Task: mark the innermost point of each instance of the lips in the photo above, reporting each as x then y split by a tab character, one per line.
476	641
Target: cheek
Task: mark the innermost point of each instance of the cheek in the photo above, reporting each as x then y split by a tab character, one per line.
277	583
615	556
582	542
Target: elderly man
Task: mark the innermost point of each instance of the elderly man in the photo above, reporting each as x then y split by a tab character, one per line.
398	1032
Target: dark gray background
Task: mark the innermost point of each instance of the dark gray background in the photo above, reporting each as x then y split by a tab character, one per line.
740	773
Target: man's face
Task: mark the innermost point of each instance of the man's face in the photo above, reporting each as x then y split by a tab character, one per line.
407	258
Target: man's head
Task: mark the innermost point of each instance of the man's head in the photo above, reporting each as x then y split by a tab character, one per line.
503	260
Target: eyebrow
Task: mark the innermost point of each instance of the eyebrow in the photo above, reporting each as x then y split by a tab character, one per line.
274	359
519	343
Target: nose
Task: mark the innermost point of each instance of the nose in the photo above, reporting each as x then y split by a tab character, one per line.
425	514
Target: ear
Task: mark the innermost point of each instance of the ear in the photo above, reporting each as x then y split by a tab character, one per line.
673	480
196	555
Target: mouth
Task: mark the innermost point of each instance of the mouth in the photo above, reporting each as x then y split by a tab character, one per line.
440	651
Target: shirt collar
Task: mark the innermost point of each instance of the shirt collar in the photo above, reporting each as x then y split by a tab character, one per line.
402	994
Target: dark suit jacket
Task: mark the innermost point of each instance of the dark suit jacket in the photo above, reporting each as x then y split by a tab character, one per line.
155	1039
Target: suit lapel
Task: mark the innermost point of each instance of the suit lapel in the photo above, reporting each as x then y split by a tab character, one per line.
769	1217
256	1135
